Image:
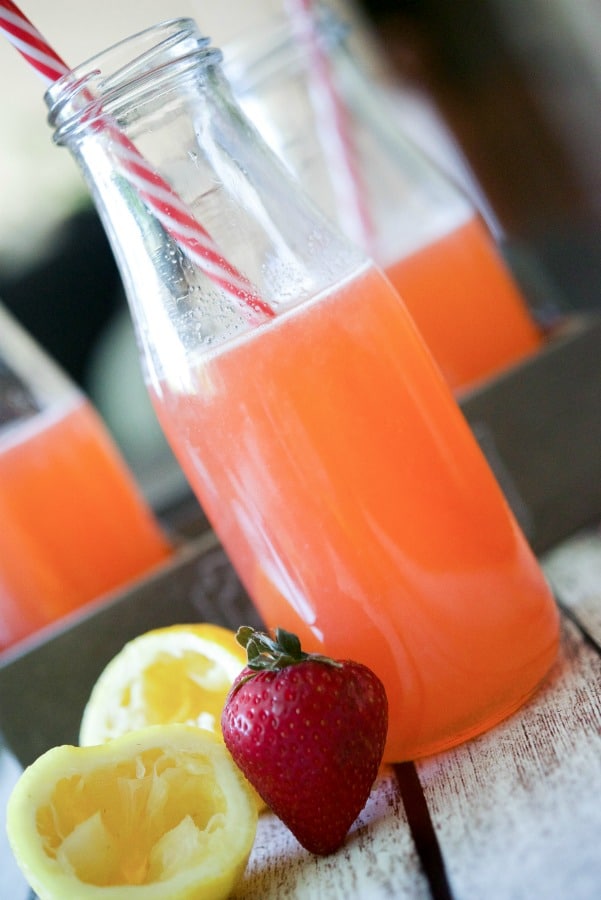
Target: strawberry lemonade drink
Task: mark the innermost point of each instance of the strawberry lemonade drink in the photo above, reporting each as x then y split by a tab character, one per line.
360	514
306	411
74	524
466	304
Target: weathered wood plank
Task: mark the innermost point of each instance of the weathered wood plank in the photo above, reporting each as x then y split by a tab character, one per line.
517	810
378	861
574	571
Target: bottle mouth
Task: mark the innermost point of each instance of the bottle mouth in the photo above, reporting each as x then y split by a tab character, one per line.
277	50
127	70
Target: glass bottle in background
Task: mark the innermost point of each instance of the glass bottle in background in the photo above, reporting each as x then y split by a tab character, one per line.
74	523
305	409
337	131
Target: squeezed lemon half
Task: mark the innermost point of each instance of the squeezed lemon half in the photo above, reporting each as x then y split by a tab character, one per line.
158	814
180	673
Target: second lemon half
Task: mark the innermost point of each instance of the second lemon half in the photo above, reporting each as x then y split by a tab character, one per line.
180	673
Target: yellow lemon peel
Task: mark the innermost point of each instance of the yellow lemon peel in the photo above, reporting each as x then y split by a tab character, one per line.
161	813
180	673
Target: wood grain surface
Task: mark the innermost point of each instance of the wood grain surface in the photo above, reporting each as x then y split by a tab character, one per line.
516	813
574	571
378	861
517	810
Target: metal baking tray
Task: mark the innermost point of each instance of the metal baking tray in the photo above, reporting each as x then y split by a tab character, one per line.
539	425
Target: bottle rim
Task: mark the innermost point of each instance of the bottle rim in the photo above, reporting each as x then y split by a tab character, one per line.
125	71
272	50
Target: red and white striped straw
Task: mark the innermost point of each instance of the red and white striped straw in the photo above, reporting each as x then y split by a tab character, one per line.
158	196
333	120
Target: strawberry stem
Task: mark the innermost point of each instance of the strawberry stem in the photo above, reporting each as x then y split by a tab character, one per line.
266	653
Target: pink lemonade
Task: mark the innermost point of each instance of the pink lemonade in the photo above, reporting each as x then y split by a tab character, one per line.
74	524
359	512
466	305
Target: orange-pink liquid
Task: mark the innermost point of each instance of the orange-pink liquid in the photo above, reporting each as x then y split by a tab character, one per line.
73	523
359	512
466	305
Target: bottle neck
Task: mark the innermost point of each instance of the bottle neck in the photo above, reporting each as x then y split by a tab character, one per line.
211	234
128	74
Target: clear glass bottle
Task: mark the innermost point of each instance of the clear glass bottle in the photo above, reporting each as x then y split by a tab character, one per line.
74	522
339	133
317	433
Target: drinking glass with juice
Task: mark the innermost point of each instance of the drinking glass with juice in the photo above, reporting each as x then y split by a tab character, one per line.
301	401
337	131
74	522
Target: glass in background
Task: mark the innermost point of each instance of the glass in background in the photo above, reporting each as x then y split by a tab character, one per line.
74	523
347	150
519	86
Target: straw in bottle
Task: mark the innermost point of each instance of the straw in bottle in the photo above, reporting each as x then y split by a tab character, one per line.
157	195
333	124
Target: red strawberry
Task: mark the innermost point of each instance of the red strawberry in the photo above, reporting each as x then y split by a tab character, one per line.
308	732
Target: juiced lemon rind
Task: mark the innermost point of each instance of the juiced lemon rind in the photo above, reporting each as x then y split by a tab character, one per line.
158	814
153	680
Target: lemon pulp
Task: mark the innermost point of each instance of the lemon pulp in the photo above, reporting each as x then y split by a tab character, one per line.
161	813
181	673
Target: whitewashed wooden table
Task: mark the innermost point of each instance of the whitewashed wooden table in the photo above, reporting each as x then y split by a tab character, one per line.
512	815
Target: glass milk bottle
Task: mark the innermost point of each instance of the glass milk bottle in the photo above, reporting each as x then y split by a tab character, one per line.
303	406
338	133
74	522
